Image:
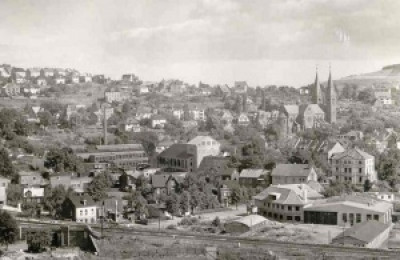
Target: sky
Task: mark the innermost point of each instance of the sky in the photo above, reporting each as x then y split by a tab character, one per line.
214	41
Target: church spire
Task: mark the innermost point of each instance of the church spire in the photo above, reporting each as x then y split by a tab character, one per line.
331	99
316	97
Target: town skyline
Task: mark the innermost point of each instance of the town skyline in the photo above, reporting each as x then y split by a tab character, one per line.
217	42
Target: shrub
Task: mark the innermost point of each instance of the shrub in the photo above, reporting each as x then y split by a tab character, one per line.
216	222
172	227
188	221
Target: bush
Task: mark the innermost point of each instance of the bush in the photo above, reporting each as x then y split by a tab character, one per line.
188	221
216	222
171	227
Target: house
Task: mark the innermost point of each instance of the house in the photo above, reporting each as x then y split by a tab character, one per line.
60	80
30	90
111	208
223	90
348	210
41	81
383	95
86	78
245	224
4	182
81	209
99	79
352	136
80	184
73	79
33	194
253	177
10	90
165	184
18	75
227	174
240	87
285	202
368	234
113	95
293	174
60	179
33	73
354	166
226	117
130	78
243	119
194	112
30	179
46	72
131	125
158	121
143	90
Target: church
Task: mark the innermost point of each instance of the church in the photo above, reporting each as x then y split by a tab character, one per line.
322	110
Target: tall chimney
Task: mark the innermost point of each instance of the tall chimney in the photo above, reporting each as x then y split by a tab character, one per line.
305	195
105	125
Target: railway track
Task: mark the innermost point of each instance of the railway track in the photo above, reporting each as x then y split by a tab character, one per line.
232	241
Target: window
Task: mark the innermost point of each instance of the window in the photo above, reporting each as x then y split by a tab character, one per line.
344	216
289	208
297	208
376	217
282	207
360	170
297	218
81	212
85	212
369	216
289	218
358	218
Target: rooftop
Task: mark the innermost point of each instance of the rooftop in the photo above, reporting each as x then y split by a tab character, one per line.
291	170
366	231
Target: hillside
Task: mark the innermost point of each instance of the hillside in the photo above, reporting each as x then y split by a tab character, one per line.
388	74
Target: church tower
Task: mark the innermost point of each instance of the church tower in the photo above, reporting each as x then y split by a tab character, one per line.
316	97
330	101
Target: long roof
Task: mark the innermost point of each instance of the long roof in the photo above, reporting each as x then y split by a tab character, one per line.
366	231
297	170
252	173
176	151
250	220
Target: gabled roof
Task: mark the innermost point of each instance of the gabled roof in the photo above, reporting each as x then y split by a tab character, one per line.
79	201
282	195
292	170
252	173
354	153
291	109
312	108
366	231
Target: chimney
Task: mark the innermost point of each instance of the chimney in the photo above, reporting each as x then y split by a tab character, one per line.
305	195
105	126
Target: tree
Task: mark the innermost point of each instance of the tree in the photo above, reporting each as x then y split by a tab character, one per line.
235	195
54	198
14	194
367	185
99	185
8	228
45	118
7	169
38	240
